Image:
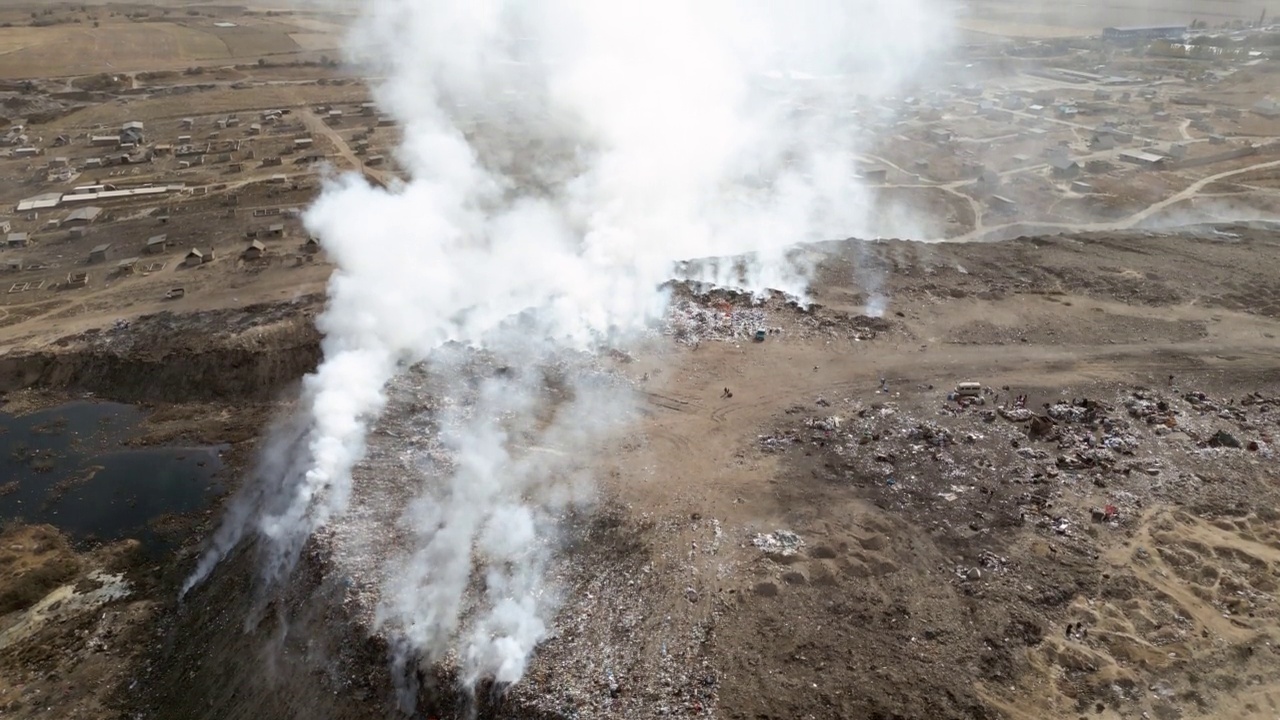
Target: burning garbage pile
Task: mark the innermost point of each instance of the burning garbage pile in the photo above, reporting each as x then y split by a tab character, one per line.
690	323
407	523
695	315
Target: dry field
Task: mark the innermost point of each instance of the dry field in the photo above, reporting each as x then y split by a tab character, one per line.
1003	18
167	110
949	561
112	38
1101	552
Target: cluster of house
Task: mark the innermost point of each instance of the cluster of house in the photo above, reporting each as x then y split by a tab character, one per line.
132	134
16	135
79	219
77	222
131	141
1025	106
334	115
195	256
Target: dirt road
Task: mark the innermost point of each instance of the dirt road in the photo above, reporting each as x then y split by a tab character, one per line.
318	126
1135	220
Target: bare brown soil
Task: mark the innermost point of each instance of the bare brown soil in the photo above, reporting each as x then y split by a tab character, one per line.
836	539
981	561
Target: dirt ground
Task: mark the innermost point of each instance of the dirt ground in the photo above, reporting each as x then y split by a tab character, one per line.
61	39
808	527
946	552
1002	18
837	539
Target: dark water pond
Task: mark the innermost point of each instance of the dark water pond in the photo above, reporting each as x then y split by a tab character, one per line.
65	466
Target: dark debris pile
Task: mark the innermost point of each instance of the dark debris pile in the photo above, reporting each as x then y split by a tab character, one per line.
1058	468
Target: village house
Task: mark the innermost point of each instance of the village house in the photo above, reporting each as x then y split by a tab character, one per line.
101	253
255	250
82	216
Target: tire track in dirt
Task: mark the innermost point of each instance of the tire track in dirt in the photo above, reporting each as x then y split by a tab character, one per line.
772	400
656	431
668	402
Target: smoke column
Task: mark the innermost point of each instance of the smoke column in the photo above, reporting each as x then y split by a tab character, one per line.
562	156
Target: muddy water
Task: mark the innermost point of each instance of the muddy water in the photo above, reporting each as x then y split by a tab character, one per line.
66	466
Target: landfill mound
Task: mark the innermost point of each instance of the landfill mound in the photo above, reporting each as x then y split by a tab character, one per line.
1040	486
1103	541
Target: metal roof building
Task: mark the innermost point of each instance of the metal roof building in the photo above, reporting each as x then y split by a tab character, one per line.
100	253
1142	158
40	202
1144	32
120	194
82	216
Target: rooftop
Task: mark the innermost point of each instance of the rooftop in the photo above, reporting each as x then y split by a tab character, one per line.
87	214
45	200
1142	28
1142	156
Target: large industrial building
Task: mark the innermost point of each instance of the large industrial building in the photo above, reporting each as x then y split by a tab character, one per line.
1144	32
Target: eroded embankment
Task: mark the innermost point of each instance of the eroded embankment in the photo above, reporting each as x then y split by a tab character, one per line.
204	379
232	651
253	352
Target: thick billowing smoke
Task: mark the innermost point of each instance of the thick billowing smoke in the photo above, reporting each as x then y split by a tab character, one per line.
563	156
517	453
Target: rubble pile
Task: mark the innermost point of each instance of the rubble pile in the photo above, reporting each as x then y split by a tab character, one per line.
608	579
1074	463
725	315
607	656
689	323
930	433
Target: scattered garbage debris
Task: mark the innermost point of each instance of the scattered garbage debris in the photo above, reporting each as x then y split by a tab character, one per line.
1222	438
778	542
689	323
981	469
698	314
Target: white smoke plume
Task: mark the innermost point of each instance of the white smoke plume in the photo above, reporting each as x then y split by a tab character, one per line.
562	157
508	480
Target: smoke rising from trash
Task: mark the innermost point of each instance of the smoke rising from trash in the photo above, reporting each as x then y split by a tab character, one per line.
564	157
